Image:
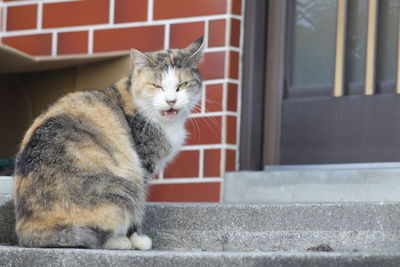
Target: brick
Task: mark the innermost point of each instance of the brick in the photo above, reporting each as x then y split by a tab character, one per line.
38	44
21	17
236	7
185	165
235	33
72	43
191	192
183	34
214	97
216	33
167	9
75	13
130	11
234	65
212	161
213	66
204	130
146	38
230	160
232	97
231	130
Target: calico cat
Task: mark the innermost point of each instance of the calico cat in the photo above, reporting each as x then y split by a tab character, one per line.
85	163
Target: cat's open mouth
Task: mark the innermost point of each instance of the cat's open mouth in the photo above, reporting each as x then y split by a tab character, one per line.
171	113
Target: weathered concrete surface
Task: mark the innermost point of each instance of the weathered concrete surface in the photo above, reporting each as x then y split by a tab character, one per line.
313	185
369	227
11	256
223	227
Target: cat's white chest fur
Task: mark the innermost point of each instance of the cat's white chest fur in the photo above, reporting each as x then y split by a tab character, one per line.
175	133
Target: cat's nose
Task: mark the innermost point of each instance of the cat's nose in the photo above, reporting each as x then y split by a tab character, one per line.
171	102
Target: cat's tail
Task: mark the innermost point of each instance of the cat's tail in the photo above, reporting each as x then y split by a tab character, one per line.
65	237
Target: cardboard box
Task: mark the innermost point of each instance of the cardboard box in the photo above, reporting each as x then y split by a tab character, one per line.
29	84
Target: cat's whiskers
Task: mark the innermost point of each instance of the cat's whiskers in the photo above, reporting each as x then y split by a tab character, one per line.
197	125
213	102
196	108
193	122
149	119
209	126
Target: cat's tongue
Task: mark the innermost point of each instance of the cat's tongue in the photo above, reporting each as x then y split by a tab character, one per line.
169	113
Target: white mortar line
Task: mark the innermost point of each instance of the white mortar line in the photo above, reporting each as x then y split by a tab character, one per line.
224	102
234	16
4	18
166	35
225	128
228	32
90	41
122	25
213	114
219	48
30	2
186	180
224	118
229	7
201	164
54	40
150	10
206	26
208	146
111	12
217	81
203	99
239	88
39	13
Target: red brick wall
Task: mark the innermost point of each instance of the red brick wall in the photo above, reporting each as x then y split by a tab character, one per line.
59	27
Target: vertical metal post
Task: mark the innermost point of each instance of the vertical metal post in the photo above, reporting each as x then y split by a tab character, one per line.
371	47
398	62
340	48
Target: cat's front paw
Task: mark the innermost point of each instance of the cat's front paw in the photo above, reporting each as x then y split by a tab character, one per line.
118	243
141	242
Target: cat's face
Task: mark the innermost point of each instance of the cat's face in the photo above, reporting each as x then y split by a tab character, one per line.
166	84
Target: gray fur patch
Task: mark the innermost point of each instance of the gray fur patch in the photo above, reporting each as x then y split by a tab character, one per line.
149	140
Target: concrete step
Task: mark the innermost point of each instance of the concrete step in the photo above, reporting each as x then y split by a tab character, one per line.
346	227
13	256
194	234
326	183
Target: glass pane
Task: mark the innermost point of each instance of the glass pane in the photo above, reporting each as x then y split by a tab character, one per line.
388	30
314	42
356	48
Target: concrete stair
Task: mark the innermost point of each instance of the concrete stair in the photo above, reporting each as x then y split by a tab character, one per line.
363	182
360	234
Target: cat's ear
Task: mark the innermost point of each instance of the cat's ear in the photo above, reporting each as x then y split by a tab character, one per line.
140	60
196	51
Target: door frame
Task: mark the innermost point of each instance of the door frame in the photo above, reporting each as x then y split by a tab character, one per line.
263	83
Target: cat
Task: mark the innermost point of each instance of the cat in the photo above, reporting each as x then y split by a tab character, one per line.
85	163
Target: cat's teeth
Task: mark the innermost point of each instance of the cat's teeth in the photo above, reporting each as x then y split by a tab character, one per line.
169	113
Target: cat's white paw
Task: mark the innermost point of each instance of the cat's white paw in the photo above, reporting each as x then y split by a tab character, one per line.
118	243
142	242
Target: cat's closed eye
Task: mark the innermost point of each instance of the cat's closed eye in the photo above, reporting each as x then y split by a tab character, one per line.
181	86
157	86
